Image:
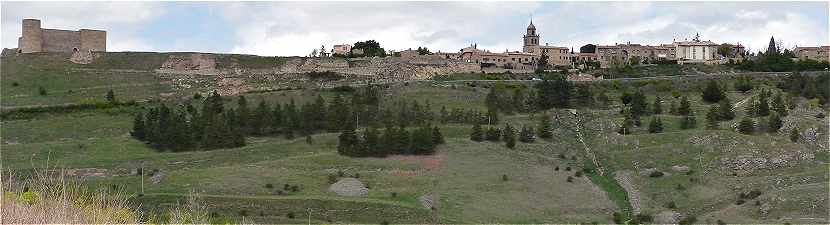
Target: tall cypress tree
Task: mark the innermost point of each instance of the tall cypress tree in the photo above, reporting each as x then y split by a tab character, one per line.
725	110
712	117
276	118
712	92
139	132
655	125
437	137
243	114
260	119
657	107
476	134
545	127
509	136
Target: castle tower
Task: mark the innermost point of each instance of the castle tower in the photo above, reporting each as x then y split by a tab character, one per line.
531	39
32	38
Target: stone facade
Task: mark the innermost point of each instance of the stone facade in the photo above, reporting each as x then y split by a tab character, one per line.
814	53
37	39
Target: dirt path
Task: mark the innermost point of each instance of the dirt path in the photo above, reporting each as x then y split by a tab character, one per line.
624	178
588	151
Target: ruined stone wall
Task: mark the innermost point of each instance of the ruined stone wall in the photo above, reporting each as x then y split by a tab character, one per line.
61	40
93	40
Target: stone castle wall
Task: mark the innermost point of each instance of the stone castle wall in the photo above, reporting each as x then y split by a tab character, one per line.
37	39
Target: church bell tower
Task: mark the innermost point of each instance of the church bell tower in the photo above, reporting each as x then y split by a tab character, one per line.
531	39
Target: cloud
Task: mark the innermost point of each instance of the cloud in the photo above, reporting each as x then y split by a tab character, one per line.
122	20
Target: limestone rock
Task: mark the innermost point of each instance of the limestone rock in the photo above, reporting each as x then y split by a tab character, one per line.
349	187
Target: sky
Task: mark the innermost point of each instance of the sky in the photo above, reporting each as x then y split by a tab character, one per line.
296	28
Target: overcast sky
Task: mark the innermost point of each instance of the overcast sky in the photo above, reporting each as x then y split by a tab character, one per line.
295	28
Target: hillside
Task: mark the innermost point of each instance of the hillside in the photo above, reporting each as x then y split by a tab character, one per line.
556	180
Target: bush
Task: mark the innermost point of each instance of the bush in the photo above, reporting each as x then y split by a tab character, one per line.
295	188
617	217
739	202
41	91
656	173
356	175
504	177
688	220
720	222
568	168
332	178
746	126
578	174
290	215
393	194
642	218
820	115
15	84
570	179
269	185
556	169
671	205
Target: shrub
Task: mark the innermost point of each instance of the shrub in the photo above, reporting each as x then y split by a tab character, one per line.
562	156
556	168
504	177
820	115
720	222
573	157
746	126
570	179
280	192
688	220
617	217
332	178
41	91
656	173
578	174
568	168
243	213
286	187
290	215
739	202
680	187
197	96
642	218
356	175
15	84
295	188
671	205
794	135
394	194
269	185
340	173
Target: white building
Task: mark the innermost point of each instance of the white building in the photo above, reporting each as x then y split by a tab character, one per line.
696	51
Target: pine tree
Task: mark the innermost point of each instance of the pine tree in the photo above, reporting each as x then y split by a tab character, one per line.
688	122
545	127
276	118
403	141
476	134
527	135
260	121
657	107
794	135
685	108
673	108
243	114
627	124
371	143
712	117
639	106
774	123
655	125
111	97
763	105
139	132
752	108
387	142
712	92
348	143
492	116
509	136
726	112
445	117
437	137
778	105
493	134
746	126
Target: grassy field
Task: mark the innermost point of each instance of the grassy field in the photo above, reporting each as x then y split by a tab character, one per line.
464	180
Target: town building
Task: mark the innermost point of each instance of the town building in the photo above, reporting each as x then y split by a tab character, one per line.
343	49
37	39
814	53
697	51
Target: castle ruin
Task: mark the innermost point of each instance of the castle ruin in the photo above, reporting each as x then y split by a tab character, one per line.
37	39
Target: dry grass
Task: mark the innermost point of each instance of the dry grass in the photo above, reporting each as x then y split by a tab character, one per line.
47	197
50	198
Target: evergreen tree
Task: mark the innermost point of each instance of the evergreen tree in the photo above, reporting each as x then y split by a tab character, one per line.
712	92
260	119
348	144
685	108
111	97
527	135
763	105
673	108
746	126
477	134
242	112
493	134
445	117
371	143
492	116
276	118
139	132
712	117
437	137
774	123
778	105
545	127
655	125
752	108
509	136
422	142
639	106
688	122
726	112
403	141
388	144
794	135
657	106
